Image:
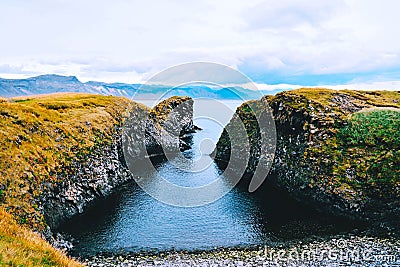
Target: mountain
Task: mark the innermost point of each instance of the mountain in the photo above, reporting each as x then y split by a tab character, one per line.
51	83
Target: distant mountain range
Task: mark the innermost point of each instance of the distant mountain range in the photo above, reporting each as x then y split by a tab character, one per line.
51	83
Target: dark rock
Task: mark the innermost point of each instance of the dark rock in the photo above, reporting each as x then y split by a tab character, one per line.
306	120
98	174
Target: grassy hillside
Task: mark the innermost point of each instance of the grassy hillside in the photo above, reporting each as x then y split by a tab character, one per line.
361	151
39	137
21	247
366	154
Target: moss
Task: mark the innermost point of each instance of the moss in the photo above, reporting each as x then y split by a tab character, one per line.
364	154
367	154
354	151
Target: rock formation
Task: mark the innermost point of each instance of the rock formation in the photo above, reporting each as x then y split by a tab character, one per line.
100	172
317	163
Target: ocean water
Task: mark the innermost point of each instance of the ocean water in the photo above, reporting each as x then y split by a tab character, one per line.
131	220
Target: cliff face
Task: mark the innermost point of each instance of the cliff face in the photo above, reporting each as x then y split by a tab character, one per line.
321	157
89	178
174	120
63	152
104	169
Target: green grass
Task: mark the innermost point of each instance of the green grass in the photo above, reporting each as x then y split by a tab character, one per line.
352	154
373	129
370	145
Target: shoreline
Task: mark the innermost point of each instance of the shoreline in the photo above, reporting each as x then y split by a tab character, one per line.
345	249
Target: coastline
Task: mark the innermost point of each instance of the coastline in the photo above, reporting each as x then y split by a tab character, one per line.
337	250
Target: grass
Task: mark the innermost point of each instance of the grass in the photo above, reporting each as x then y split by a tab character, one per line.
342	142
324	97
41	136
21	247
358	150
370	145
379	129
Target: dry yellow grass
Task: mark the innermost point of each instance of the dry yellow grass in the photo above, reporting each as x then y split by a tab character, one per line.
41	135
324	96
21	247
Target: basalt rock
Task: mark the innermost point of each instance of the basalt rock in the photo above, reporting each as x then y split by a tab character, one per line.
92	176
313	165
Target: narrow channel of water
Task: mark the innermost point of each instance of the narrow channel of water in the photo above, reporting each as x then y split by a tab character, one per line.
131	220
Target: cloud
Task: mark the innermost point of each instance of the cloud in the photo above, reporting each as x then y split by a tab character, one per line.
7	68
369	86
285	14
284	41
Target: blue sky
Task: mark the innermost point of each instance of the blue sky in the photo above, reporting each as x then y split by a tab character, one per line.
342	43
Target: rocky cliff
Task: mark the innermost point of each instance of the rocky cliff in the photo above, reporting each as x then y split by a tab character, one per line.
336	151
62	152
97	174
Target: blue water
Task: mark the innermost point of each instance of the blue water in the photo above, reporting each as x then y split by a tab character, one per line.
138	222
131	220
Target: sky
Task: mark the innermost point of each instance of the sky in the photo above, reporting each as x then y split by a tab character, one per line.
341	43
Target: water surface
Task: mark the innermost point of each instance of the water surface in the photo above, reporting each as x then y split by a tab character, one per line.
131	220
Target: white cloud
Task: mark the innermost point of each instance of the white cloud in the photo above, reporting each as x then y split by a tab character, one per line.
131	40
369	86
284	14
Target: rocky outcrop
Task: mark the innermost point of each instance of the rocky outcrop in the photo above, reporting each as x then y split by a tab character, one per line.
315	163
96	175
175	119
93	176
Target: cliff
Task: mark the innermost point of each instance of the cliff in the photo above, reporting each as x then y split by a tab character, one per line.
62	152
102	170
336	151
